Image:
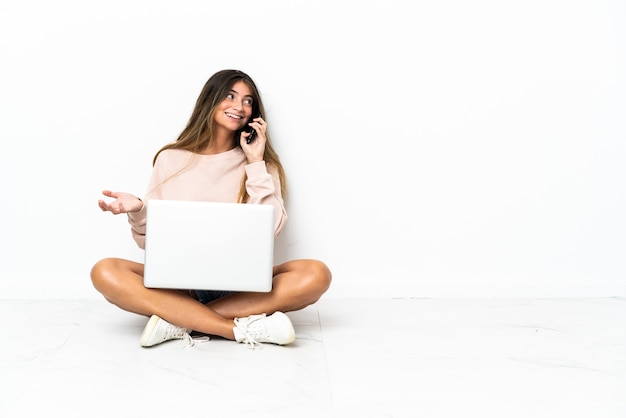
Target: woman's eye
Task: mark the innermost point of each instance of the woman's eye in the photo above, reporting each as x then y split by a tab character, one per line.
230	96
248	102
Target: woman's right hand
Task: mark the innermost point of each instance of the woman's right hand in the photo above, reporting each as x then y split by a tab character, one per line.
123	203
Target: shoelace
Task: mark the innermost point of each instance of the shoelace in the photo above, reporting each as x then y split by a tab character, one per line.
243	327
191	341
188	340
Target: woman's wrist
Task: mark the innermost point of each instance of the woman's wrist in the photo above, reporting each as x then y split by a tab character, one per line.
140	207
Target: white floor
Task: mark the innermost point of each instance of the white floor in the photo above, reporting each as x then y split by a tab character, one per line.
353	358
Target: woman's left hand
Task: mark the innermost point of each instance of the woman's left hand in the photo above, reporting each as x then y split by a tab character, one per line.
254	150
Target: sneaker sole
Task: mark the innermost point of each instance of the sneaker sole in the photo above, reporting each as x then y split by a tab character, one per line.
148	330
290	336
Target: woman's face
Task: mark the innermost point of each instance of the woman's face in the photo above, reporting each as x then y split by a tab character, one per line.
235	110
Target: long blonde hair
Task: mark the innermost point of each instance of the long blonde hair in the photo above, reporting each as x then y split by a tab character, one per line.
198	133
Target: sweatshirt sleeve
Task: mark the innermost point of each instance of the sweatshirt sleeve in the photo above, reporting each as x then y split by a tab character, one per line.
264	188
137	220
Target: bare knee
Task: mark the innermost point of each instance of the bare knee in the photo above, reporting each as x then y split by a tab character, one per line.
314	279
101	273
106	276
320	275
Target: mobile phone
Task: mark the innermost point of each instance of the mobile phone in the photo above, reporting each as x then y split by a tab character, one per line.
251	131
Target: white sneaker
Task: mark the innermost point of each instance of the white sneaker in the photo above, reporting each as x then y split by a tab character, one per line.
257	329
158	330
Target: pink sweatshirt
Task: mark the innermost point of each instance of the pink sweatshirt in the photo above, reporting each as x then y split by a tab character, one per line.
183	175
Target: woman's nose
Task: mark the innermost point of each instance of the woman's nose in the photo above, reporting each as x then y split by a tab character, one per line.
238	104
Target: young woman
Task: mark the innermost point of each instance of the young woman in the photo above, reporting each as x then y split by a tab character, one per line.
212	160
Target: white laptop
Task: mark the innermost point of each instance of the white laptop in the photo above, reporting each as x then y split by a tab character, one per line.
209	246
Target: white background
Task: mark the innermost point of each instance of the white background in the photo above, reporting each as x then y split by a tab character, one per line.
433	149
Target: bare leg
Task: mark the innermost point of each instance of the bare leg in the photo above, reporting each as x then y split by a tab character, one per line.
297	284
121	283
